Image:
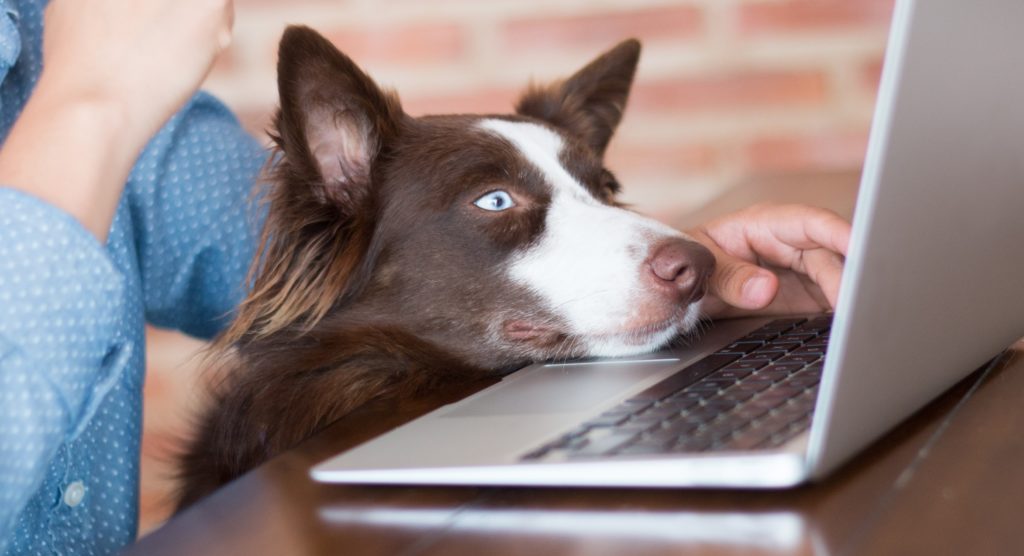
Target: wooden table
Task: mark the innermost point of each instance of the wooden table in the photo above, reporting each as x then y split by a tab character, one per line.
950	480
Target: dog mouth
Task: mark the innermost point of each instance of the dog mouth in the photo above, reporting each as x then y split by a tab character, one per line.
641	334
625	341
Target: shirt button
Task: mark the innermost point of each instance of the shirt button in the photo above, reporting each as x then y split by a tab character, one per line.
74	493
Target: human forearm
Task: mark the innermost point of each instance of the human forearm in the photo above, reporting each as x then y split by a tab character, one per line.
74	153
113	72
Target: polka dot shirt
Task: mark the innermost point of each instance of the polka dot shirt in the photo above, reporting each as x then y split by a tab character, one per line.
72	310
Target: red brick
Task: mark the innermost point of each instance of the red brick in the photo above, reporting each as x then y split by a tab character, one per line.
871	75
729	91
661	159
813	15
280	5
601	30
822	151
401	45
487	100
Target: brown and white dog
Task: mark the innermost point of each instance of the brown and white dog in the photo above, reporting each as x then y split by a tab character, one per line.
402	252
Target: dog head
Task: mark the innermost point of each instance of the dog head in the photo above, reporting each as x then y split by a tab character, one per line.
497	238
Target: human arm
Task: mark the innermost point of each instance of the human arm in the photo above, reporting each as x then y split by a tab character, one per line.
114	72
62	300
774	259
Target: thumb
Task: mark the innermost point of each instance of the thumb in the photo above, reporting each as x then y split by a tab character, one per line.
741	284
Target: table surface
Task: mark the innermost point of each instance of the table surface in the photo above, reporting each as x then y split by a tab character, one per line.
946	481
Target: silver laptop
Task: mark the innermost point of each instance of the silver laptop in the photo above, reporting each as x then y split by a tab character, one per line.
932	289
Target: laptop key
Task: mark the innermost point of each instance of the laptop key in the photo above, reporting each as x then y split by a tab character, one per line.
685	377
719	404
751	412
736	395
768	401
803	381
647	421
756	392
640	448
701	414
810	350
797	336
814	369
773	424
741	347
683	404
727	425
604	444
784	435
772	354
751	385
747	440
718	383
663	412
747	364
607	420
682	396
785	346
673	432
764	335
637	427
785	391
789	367
737	374
693	444
773	375
802	359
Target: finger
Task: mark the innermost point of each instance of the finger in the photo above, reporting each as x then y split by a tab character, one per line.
817	228
742	284
737	282
825	268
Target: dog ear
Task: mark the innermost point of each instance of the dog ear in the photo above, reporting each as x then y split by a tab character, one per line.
590	103
333	118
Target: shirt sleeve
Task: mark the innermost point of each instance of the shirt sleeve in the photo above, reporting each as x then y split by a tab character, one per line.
61	299
194	219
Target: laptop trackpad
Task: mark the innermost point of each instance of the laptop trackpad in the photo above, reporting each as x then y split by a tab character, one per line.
566	388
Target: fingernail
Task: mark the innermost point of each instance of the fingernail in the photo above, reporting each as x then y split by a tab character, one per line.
754	290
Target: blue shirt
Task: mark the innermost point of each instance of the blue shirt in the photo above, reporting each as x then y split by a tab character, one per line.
72	310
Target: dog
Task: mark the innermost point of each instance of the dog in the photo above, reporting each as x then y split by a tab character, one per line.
399	253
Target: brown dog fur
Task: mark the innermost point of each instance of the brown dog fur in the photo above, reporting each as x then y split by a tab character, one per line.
348	304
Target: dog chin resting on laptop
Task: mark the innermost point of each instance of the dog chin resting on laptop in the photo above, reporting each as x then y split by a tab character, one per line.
400	253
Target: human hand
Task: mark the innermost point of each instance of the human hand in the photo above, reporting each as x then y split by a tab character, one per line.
145	58
774	259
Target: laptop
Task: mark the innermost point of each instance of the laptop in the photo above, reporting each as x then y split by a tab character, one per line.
931	291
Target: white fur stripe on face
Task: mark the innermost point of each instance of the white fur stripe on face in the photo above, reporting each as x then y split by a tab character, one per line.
587	265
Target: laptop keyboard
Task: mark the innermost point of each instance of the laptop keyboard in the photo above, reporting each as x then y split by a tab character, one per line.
755	393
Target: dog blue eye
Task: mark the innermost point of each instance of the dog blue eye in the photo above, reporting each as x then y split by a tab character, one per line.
495	201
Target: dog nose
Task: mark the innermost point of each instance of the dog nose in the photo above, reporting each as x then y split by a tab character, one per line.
682	266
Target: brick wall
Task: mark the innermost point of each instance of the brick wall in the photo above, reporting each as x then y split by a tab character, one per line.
725	89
